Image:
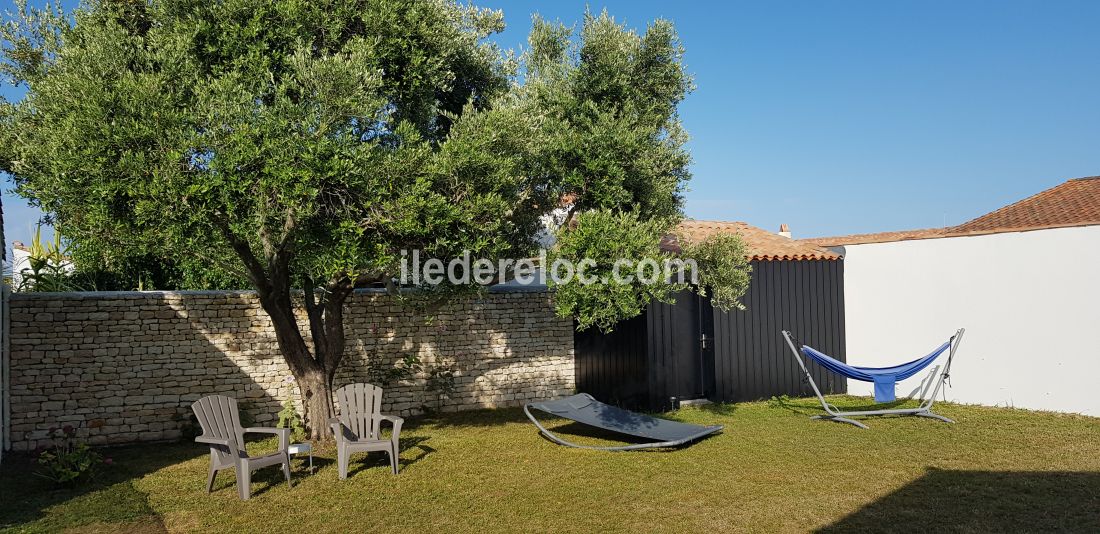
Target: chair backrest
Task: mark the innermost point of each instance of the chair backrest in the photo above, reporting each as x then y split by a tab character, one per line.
360	405
219	417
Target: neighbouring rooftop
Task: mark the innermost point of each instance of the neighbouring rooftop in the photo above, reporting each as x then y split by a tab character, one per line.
1075	202
762	245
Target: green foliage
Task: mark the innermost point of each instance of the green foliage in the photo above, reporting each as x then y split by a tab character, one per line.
613	138
174	140
64	266
49	267
724	270
286	143
111	270
211	133
69	461
305	143
440	382
603	237
290	418
439	379
616	145
382	373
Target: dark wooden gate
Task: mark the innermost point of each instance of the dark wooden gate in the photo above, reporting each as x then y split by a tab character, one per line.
680	363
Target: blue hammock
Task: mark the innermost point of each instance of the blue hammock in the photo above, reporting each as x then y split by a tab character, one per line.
884	378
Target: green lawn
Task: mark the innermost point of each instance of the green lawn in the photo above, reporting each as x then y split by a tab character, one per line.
772	469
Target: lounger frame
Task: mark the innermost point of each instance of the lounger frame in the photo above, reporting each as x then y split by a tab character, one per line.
832	413
702	432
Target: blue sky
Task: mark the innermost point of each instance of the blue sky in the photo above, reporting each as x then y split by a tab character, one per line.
860	116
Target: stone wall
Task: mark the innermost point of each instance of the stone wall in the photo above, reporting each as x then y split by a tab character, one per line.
125	367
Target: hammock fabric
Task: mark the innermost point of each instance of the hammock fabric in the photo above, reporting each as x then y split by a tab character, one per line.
884	378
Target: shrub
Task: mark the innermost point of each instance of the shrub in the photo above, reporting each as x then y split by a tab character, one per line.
69	461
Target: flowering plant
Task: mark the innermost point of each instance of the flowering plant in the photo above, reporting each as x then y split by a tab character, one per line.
69	461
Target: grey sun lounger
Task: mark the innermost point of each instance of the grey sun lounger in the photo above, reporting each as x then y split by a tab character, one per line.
582	408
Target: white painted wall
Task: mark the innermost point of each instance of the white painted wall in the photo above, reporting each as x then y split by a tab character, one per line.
1030	303
20	261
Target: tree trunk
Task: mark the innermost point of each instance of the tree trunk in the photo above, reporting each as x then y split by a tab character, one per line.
313	370
313	379
316	390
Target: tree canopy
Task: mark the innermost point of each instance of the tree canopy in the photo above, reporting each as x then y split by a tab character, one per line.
303	144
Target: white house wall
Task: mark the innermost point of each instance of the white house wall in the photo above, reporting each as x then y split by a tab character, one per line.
20	261
1030	303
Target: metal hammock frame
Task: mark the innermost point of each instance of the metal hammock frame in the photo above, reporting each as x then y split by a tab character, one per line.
832	413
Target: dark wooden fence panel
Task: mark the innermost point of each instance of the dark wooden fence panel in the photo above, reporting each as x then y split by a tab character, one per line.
751	359
612	367
648	359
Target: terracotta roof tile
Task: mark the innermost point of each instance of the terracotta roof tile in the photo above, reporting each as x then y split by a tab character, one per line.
879	237
1072	203
762	244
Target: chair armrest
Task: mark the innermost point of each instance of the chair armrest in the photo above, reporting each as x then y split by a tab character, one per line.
396	422
266	430
337	428
283	433
212	440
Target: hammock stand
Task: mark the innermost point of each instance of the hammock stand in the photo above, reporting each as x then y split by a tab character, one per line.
884	379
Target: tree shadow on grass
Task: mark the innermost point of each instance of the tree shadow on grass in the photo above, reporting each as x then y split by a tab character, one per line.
412	451
984	501
470	418
263	480
723	409
112	498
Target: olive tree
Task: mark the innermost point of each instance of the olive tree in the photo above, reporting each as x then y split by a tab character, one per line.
299	146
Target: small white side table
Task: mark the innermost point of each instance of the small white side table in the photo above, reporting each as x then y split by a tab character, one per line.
299	448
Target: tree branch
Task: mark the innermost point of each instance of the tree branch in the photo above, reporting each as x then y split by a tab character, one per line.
338	288
569	216
315	315
255	269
